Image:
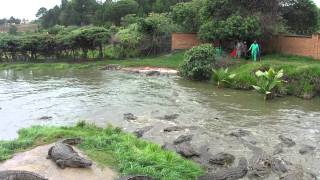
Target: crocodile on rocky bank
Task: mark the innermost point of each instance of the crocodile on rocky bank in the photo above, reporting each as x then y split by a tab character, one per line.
65	156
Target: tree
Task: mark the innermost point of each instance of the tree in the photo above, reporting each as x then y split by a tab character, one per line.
301	17
234	27
186	15
122	8
41	12
85	9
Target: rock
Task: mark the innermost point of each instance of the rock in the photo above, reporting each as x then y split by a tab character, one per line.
260	164
182	139
293	175
45	118
129	117
240	133
153	73
136	178
173	128
278	149
307	149
186	150
287	141
229	174
222	159
171	117
141	131
112	67
278	166
168	146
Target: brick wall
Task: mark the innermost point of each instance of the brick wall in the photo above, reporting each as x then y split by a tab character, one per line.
295	45
292	45
184	41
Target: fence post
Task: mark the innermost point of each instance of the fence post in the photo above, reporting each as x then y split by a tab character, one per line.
315	40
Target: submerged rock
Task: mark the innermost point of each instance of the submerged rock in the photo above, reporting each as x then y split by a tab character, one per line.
229	174
182	139
307	149
222	159
153	73
287	141
141	131
240	133
186	150
112	67
170	117
45	118
173	128
129	117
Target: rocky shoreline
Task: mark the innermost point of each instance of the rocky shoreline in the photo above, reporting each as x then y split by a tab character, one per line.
193	143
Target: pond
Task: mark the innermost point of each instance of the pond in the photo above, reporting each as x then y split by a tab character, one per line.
64	97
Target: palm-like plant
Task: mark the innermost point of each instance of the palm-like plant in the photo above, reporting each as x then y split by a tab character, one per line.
223	77
268	81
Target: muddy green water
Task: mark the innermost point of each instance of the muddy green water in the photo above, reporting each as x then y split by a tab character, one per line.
103	97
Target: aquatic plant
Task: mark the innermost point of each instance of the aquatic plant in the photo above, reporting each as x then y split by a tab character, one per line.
222	77
268	81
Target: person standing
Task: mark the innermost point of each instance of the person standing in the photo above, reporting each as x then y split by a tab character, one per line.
254	48
239	48
245	50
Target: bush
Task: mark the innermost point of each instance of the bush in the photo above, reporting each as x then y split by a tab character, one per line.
198	63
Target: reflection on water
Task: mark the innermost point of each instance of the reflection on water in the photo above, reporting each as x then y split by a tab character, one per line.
103	97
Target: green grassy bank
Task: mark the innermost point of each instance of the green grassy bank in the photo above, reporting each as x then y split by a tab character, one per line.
165	61
301	74
109	147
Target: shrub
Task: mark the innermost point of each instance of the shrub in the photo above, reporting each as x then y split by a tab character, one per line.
198	63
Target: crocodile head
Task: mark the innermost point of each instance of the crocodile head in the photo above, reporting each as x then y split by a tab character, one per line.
77	161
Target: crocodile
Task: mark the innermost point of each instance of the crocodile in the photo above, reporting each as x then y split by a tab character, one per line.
20	175
229	174
65	156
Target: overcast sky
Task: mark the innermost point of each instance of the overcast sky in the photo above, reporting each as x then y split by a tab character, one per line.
28	8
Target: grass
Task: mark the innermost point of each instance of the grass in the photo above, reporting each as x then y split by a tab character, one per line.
109	147
302	75
165	61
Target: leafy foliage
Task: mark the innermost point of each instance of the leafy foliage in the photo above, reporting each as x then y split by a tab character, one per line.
268	81
235	27
198	63
222	77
